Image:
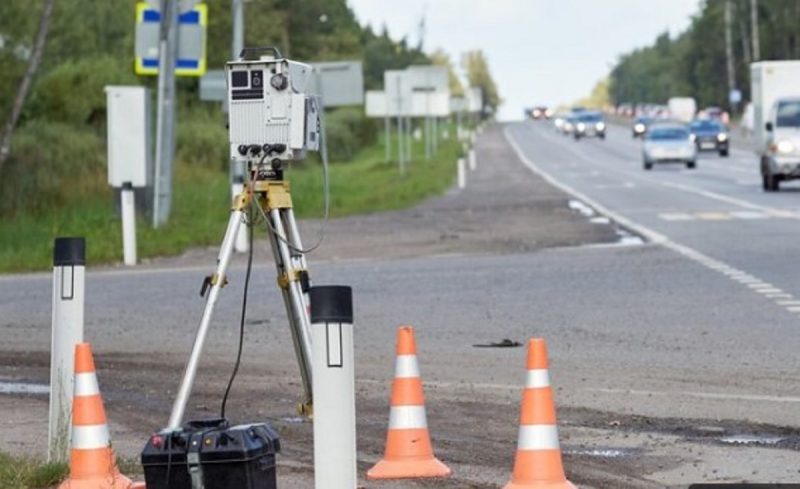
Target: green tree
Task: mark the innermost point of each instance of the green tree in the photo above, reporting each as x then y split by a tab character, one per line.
479	75
441	58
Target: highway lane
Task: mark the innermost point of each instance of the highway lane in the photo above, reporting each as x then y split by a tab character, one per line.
718	210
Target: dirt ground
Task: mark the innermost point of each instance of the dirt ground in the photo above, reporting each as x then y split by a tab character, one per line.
505	209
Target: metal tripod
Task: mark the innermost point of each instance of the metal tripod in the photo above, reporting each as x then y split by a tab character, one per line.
272	195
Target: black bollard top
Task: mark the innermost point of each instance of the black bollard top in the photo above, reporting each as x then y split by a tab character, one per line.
127	186
331	304
69	252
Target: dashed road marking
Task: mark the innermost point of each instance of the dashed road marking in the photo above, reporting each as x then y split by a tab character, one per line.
725	215
713	216
754	283
676	216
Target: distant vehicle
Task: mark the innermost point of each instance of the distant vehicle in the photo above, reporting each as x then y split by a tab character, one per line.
669	143
682	109
541	112
640	126
776	120
715	113
709	135
590	124
558	121
570	122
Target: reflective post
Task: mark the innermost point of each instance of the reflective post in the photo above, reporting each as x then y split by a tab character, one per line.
69	263
334	387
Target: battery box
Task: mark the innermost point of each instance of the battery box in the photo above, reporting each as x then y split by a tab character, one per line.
210	454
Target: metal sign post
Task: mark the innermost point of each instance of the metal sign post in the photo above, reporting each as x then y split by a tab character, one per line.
170	41
165	124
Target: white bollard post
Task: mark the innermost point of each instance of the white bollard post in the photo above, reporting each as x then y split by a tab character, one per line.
473	160
242	242
462	174
69	262
334	387
128	224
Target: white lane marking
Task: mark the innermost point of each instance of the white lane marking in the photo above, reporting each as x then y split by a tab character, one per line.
789	303
760	285
676	216
771	290
782	295
650	234
749	215
702	395
772	211
713	216
793	308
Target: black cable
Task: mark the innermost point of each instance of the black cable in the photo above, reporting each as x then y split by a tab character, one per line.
250	214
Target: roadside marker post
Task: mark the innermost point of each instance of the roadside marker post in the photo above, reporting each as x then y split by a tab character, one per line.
473	160
334	387
69	263
128	207
462	174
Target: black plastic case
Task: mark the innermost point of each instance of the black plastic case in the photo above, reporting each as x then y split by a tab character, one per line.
221	456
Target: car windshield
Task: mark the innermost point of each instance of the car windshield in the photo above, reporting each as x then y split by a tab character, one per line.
591	118
706	126
668	134
788	114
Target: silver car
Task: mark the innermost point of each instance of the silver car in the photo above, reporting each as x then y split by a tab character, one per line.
669	143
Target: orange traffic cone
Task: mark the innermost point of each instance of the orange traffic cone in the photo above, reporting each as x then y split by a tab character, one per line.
409	453
538	463
92	464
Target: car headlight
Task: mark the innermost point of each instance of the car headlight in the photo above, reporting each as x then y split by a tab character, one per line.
581	126
693	137
784	147
639	128
722	137
600	126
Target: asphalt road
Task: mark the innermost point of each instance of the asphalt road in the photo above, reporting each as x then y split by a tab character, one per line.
660	352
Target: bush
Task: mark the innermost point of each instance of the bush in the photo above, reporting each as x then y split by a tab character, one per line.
202	139
73	92
348	131
52	164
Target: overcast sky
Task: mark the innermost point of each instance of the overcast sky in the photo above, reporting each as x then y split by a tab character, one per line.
540	51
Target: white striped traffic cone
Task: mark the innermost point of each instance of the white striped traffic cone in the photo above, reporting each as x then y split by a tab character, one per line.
92	464
538	462
409	453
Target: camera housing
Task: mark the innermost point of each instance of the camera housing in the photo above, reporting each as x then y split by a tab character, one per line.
272	115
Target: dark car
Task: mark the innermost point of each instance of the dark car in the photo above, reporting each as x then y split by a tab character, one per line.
710	135
640	126
541	112
590	124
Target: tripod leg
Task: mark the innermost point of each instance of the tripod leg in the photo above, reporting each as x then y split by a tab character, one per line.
294	298
217	282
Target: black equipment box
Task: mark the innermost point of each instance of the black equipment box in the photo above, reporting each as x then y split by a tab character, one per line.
212	455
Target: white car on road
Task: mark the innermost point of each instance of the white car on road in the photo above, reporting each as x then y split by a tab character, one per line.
669	143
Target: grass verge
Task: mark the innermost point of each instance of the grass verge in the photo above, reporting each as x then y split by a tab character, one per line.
200	207
25	473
